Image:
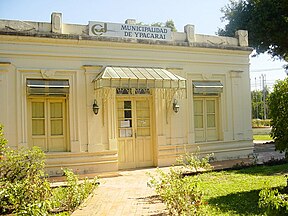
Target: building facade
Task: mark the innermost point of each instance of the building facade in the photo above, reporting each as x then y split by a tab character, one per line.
106	96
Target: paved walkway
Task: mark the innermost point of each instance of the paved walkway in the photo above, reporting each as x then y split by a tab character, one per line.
127	193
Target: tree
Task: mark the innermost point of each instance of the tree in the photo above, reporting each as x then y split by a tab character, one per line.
266	22
168	24
278	104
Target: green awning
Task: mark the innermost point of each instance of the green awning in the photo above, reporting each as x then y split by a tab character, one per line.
207	87
138	77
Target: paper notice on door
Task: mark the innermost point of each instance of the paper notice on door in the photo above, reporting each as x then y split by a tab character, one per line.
122	133
125	124
128	133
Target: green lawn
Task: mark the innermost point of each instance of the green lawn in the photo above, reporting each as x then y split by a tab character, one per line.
236	192
262	137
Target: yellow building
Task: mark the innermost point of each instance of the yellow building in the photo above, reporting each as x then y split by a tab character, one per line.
109	96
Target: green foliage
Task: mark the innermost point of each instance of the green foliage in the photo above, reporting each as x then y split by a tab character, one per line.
273	201
233	192
265	20
70	197
3	141
24	190
236	192
20	164
168	24
278	103
181	195
194	162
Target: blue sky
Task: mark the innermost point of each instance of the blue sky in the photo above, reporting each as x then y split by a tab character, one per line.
205	15
74	11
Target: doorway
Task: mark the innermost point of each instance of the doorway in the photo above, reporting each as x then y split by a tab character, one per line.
47	124
206	119
134	131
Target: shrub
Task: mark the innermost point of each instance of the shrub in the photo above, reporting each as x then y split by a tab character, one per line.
181	195
278	103
24	189
194	162
3	141
70	197
23	186
20	164
273	201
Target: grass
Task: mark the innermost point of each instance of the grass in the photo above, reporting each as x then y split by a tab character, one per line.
237	192
262	137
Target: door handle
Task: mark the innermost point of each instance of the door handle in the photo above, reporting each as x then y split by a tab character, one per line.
135	135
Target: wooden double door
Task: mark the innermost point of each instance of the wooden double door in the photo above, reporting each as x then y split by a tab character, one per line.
47	124
206	119
134	126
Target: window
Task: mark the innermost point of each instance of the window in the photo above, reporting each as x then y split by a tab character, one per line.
125	118
47	114
206	119
48	123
